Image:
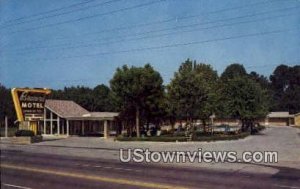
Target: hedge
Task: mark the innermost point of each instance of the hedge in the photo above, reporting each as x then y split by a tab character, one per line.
153	138
24	133
184	139
221	137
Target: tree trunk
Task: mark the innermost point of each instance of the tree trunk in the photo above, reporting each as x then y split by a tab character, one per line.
204	125
251	126
137	122
172	124
243	125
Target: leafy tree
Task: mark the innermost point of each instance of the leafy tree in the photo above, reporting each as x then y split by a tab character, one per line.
285	83
232	71
169	108
137	88
80	94
261	79
265	84
102	98
97	99
244	99
192	91
6	106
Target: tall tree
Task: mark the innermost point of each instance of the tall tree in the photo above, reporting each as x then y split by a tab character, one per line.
261	79
285	83
244	99
97	99
6	106
102	99
137	88
192	91
232	71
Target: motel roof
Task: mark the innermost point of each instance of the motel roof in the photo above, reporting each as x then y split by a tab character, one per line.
70	110
279	115
101	114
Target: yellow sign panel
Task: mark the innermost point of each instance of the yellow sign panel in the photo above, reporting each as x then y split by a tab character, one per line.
29	102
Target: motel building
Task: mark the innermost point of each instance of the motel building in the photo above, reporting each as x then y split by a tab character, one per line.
65	117
272	119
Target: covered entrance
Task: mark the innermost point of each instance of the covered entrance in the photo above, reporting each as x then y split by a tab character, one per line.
63	117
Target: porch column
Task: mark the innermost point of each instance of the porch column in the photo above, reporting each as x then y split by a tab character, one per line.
105	129
63	128
82	127
58	125
45	117
51	123
67	127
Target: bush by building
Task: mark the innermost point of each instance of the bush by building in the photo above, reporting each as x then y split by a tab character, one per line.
21	133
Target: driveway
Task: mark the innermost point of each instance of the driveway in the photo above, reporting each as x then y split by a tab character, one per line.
284	140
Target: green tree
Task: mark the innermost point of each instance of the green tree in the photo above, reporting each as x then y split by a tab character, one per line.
102	99
6	106
232	71
192	91
262	80
244	99
137	89
97	99
285	83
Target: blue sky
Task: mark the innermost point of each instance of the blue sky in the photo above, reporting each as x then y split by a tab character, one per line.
61	43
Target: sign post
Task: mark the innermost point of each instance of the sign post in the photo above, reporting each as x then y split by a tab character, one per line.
6	126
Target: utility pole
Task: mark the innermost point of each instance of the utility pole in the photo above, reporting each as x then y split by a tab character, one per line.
6	124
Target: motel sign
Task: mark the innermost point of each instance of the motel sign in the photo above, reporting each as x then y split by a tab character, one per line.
29	106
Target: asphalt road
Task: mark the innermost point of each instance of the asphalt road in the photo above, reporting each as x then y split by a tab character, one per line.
26	170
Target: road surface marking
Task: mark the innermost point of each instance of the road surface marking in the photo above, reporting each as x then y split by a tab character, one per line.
285	186
107	167
15	186
85	165
93	177
126	169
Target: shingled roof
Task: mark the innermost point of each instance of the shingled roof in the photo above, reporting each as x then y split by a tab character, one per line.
65	108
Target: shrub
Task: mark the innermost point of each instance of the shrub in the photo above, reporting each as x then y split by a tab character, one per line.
221	137
154	139
165	132
20	133
179	133
260	127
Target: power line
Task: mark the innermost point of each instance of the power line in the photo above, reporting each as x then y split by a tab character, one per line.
268	65
89	17
50	11
64	13
164	74
166	20
171	33
173	45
